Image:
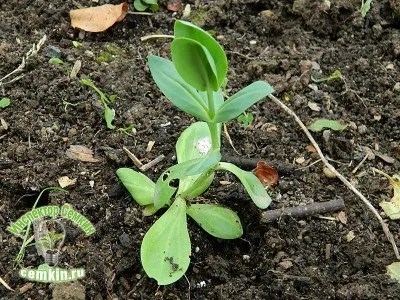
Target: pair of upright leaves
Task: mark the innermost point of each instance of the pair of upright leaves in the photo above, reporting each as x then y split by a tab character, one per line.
199	65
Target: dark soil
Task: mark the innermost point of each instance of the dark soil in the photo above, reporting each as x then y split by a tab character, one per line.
284	260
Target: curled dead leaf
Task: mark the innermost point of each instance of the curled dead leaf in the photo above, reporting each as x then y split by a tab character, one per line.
267	175
99	18
81	153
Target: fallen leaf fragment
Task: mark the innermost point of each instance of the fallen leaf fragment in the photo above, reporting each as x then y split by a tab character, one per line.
350	236
392	208
313	106
65	181
267	175
81	153
99	18
300	160
342	217
174	5
385	158
393	271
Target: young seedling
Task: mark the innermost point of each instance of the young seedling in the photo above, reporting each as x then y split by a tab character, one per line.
246	119
142	5
192	81
109	113
334	75
4	102
365	7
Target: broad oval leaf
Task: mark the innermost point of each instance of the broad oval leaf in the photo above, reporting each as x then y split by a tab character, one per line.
194	63
189	30
217	220
250	182
138	185
242	100
176	89
165	250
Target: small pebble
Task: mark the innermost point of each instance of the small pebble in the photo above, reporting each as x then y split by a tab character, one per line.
53	51
246	258
362	129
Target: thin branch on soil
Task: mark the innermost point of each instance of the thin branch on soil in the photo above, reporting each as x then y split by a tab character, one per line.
152	163
228	137
156	36
384	226
133	157
251	163
303	210
5	285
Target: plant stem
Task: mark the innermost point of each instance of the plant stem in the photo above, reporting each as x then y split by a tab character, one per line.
213	127
156	36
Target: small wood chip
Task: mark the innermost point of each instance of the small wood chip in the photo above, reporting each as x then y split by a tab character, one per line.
385	158
133	157
26	288
150	146
342	217
152	163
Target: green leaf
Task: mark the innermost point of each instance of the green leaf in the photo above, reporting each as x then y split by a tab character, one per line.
165	251
4	102
163	190
150	1
194	63
218	221
109	115
139	5
176	89
242	100
320	124
191	31
154	7
76	44
393	271
192	143
365	7
246	119
138	185
56	61
334	75
90	84
250	182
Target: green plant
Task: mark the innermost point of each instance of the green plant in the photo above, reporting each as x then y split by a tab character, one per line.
58	61
365	7
142	5
246	119
334	75
4	102
192	81
109	113
50	239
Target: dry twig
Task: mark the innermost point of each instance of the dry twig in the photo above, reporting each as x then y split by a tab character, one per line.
303	210
340	176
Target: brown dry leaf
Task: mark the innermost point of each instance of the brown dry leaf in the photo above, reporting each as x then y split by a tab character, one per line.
81	153
266	174
174	5
342	217
99	18
311	149
385	158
